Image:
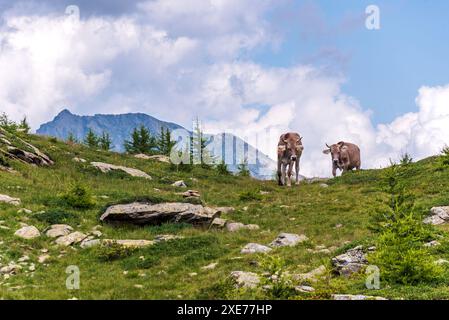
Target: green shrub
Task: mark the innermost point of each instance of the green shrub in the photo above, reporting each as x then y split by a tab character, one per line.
250	195
222	169
406	159
444	158
78	197
4	161
112	251
400	254
276	283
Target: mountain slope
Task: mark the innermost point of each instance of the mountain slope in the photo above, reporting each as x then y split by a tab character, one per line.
121	126
175	269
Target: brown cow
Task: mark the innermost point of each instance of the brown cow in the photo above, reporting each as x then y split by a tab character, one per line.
289	152
345	156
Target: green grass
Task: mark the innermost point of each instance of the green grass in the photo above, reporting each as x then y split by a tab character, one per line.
163	270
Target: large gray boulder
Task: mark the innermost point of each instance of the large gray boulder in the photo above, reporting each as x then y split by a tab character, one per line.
106	167
9	200
288	240
27	232
156	214
353	261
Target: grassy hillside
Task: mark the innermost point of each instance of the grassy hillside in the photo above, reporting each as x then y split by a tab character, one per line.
338	217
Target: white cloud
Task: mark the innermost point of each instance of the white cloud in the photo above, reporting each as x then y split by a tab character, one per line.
177	61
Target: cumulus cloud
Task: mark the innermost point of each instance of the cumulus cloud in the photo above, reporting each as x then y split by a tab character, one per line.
178	62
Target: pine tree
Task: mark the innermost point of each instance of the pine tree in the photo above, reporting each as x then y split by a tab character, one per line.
222	168
141	141
91	139
199	153
243	170
105	141
24	126
164	142
71	139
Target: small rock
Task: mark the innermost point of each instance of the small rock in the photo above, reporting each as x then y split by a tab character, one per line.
191	194
23	210
193	274
304	289
245	279
438	215
23	259
9	200
210	266
97	233
324	185
28	232
255	248
236	226
138	286
219	223
288	239
311	276
179	184
43	258
433	243
338	226
59	230
166	237
72	238
353	261
226	210
81	160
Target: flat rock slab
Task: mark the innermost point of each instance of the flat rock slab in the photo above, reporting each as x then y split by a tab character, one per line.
28	232
106	167
179	184
353	261
288	240
72	238
237	226
438	215
156	214
58	230
124	243
9	200
245	279
312	275
255	248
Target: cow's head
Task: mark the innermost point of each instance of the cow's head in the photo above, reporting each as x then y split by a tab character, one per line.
335	151
292	147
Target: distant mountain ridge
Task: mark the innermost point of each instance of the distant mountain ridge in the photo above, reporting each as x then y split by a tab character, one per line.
120	127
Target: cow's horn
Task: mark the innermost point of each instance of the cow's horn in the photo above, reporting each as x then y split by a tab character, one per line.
328	146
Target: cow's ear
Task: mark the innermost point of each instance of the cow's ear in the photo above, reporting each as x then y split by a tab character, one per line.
327	151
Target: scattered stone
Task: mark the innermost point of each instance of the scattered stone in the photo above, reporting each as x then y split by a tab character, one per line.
166	237
160	158
245	279
438	215
311	276
236	226
304	289
106	167
23	210
43	258
59	230
89	243
441	261
28	232
353	261
193	274
191	194
130	243
255	248
179	184
70	239
288	239
264	192
138	286
23	259
219	223
338	226
156	214
81	160
433	243
355	297
96	233
142	156
210	266
10	269
324	185
9	200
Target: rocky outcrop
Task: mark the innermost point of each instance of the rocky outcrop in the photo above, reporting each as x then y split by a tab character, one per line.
438	215
311	276
71	238
156	214
288	240
59	230
106	167
353	261
9	200
190	194
355	297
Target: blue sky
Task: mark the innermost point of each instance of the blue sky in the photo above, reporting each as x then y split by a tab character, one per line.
255	68
383	68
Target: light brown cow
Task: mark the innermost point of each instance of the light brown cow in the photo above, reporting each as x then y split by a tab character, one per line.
289	152
345	156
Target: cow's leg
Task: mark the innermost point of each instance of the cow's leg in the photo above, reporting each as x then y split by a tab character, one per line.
284	168
297	171
280	182
289	173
